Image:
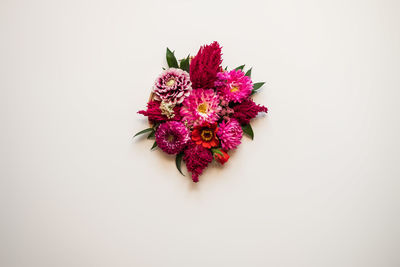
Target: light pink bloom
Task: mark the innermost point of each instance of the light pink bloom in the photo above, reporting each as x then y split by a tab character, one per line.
201	106
172	86
229	134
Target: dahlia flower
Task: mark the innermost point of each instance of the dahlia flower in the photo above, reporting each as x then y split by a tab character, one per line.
205	135
234	85
201	106
205	66
172	137
197	159
229	134
155	114
172	86
247	110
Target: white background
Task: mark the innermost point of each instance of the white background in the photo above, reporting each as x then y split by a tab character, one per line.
319	185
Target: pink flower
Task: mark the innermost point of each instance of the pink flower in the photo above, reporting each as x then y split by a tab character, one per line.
197	159
172	137
247	110
234	85
201	106
172	86
205	66
229	134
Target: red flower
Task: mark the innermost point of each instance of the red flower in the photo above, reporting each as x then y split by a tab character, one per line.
205	66
205	135
247	110
221	158
154	115
197	159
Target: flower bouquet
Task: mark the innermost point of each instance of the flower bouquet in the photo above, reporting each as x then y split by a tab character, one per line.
199	111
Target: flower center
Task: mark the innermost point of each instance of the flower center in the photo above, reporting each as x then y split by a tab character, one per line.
170	82
234	88
170	138
207	135
202	108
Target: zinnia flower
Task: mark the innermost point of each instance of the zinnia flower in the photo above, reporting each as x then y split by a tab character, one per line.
229	134
197	159
155	114
247	110
221	157
172	86
205	135
205	66
172	136
234	85
201	106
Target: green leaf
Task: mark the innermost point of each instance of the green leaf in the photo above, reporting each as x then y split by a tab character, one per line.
257	86
226	68
240	67
178	162
151	135
248	130
185	64
248	73
154	145
144	131
171	59
217	151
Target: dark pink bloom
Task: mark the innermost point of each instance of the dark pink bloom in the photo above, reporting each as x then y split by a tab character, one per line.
154	115
197	159
247	110
172	136
205	66
234	85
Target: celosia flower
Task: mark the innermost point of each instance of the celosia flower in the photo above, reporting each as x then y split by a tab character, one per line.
172	86
172	136
155	114
247	110
197	159
234	85
201	106
221	156
205	66
229	134
205	135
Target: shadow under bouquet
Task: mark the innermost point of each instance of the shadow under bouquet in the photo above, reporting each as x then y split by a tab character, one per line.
199	111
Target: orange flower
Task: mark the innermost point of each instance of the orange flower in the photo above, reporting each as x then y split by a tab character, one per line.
221	156
205	135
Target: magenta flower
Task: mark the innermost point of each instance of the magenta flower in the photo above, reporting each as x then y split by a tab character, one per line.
172	136
234	85
247	110
172	86
197	159
201	106
229	134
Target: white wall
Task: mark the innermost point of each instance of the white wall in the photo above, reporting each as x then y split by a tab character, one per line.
317	187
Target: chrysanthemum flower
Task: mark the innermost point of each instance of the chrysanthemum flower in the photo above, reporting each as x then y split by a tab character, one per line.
197	159
172	86
229	134
234	85
205	135
201	106
247	110
172	136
